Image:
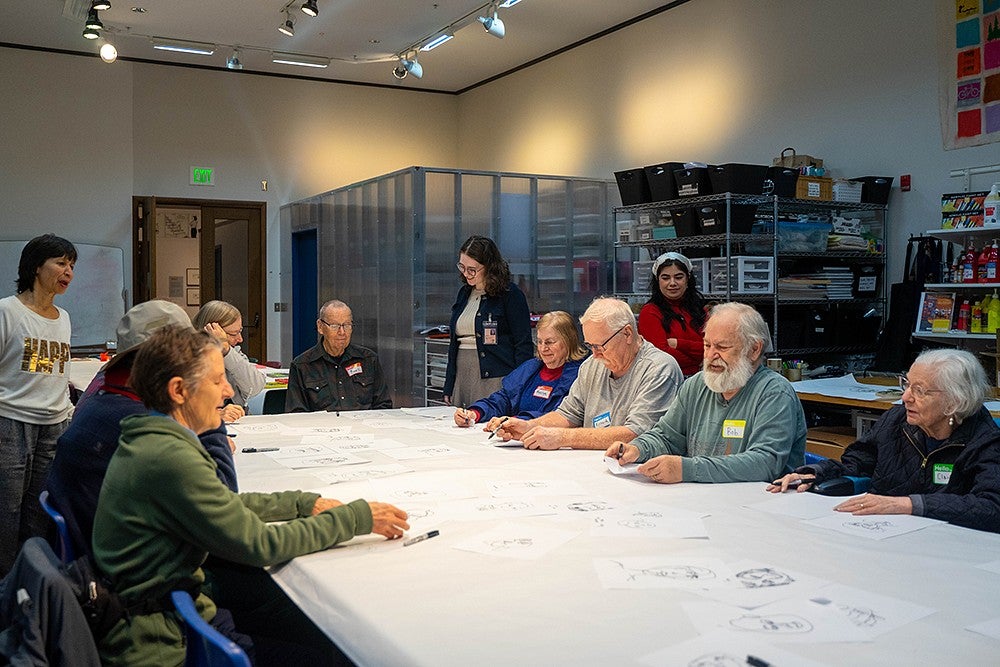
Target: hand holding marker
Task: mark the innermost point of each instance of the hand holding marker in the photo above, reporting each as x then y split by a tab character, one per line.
497	428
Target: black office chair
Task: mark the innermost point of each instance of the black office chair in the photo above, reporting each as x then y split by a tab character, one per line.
65	545
274	402
206	646
838	486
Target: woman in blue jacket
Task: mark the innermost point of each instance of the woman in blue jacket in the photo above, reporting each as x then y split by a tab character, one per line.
538	385
490	325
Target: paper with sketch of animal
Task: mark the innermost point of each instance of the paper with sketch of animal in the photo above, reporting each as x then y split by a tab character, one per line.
792	620
691	572
755	584
873	526
724	649
517	540
873	614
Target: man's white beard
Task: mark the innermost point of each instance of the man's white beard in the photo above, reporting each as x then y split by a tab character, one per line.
733	378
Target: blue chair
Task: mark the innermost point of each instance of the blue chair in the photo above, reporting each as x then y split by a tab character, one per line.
206	646
813	458
65	546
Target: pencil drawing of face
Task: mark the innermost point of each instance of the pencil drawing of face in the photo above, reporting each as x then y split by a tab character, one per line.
862	617
504	544
777	624
509	506
637	523
874	526
677	572
717	660
590	506
763	577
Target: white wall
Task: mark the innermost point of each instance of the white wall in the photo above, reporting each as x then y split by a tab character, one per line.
851	81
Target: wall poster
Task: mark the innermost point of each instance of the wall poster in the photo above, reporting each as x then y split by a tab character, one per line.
970	72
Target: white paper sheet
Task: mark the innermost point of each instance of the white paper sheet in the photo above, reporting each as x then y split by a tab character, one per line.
517	540
873	614
792	620
618	469
361	472
478	509
428	452
992	566
336	439
317	430
500	442
298	451
421	488
516	488
328	460
257	428
803	505
431	411
873	526
755	584
843	387
648	520
724	649
990	628
668	571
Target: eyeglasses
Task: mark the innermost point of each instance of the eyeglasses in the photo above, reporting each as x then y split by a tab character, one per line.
470	271
547	343
915	389
347	326
235	334
600	348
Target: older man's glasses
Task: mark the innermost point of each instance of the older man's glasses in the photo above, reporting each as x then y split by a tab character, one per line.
600	348
916	390
346	326
470	271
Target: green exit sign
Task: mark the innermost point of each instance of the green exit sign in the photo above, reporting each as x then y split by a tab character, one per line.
202	176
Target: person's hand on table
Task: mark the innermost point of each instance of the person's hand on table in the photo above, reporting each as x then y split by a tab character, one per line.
664	469
512	429
325	504
494	423
215	331
232	412
872	504
388	520
792	480
543	437
629	453
465	418
446	399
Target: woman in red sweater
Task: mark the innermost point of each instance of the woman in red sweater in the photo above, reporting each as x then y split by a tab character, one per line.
674	316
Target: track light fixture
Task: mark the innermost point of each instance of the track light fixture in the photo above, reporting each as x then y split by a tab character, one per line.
437	41
100	4
299	59
91	33
309	8
109	53
288	27
93	21
408	66
233	61
494	25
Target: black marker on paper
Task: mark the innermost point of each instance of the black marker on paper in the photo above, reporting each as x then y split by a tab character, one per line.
497	428
255	450
421	538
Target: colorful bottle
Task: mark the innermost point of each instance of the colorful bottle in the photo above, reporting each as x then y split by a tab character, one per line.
977	318
991	264
994	314
981	261
963	317
991	207
984	313
969	264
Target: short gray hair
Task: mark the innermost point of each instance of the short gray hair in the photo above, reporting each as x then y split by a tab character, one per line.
610	311
335	304
750	325
960	377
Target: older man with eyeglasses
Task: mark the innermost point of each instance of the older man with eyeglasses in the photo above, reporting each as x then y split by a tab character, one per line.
620	391
336	375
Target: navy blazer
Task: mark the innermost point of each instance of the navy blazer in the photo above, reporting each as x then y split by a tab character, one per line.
513	347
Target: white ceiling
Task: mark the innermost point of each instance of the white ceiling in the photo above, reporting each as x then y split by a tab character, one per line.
362	37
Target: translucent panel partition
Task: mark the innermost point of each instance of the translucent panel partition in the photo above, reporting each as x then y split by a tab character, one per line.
388	248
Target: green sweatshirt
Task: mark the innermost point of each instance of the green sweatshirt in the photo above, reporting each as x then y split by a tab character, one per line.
161	511
757	436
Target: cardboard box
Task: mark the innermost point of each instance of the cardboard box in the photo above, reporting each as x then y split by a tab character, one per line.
830	441
792	160
818	188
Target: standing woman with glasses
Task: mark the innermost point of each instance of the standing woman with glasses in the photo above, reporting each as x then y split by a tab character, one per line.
674	316
936	455
223	322
490	325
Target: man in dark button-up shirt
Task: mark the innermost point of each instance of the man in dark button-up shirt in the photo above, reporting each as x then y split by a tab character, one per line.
336	375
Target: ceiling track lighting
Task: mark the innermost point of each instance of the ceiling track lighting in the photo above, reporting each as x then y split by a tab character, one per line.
109	53
288	27
233	61
438	41
408	66
508	3
102	5
299	59
309	8
93	21
494	24
91	33
183	46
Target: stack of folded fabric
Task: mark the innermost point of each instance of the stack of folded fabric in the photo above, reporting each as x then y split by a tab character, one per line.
846	235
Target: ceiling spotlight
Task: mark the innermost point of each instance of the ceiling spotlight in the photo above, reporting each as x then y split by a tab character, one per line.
91	33
183	46
93	21
100	4
493	25
109	53
288	27
233	61
399	71
409	66
309	8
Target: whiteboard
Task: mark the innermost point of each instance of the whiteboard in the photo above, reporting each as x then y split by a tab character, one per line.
95	299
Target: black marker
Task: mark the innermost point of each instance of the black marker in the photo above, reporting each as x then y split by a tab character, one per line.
255	450
754	661
497	428
421	538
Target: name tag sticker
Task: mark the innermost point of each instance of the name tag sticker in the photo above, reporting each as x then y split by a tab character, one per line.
602	420
490	331
353	369
542	391
942	472
733	428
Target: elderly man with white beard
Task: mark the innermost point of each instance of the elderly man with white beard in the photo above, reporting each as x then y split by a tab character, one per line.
735	421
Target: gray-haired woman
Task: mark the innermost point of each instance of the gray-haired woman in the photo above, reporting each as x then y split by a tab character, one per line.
936	455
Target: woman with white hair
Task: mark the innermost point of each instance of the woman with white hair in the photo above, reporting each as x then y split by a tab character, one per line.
936	455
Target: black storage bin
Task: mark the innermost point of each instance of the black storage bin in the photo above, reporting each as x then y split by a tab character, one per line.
660	177
875	189
854	329
633	187
692	182
712	218
686	222
780	181
747	179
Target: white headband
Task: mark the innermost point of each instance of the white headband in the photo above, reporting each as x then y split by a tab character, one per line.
671	257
